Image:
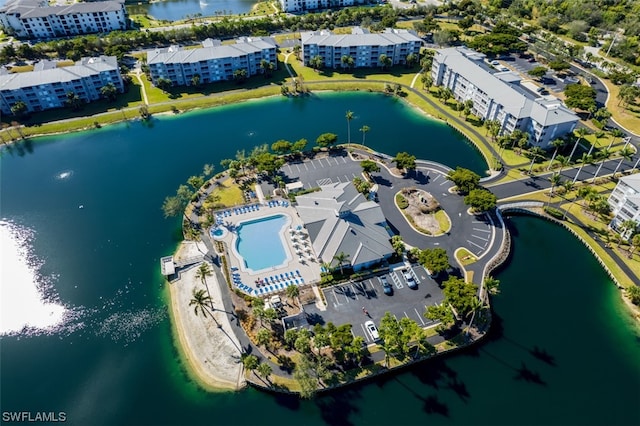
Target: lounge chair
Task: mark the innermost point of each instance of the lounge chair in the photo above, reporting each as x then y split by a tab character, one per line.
298	272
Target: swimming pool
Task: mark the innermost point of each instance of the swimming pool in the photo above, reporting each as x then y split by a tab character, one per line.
260	243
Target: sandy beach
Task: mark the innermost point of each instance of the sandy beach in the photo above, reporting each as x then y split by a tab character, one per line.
210	353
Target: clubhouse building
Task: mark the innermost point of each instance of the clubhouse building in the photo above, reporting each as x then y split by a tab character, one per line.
36	19
47	85
363	47
339	219
212	62
499	96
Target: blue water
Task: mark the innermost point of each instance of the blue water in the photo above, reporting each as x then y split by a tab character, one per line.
260	244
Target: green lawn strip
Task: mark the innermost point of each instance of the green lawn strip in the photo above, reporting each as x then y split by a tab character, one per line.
512	158
229	192
628	119
443	220
465	257
605	255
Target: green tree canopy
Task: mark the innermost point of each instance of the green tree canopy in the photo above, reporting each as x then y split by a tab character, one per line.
480	199
537	72
281	147
580	96
369	166
464	179
327	140
460	295
435	260
405	161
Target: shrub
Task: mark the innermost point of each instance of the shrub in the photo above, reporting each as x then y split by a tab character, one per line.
402	202
552	211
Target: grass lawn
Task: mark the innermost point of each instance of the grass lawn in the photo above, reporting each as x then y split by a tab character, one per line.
628	118
443	221
230	193
465	257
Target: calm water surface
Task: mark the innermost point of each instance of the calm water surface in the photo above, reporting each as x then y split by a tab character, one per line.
562	349
174	10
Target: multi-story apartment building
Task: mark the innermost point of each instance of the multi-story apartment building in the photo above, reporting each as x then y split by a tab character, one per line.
625	203
364	47
47	85
302	5
36	19
213	61
499	96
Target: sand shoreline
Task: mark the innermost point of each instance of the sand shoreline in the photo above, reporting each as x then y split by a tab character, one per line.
210	354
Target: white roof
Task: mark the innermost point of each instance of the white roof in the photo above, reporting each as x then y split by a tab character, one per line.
632	180
360	37
212	49
84	68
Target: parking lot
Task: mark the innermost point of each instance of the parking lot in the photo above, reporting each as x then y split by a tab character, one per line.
347	302
337	167
523	66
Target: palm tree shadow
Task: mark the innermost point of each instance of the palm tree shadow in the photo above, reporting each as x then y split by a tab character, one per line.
430	404
530	376
336	409
543	356
460	389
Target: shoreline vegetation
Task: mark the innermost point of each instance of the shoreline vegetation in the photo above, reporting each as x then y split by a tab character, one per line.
207	373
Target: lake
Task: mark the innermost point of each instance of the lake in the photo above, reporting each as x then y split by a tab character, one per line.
174	10
81	217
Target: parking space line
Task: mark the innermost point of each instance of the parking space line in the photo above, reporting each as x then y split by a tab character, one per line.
346	178
305	166
339	179
335	296
480	247
298	167
419	316
354	291
366	335
436	178
344	160
479	221
480	238
313	164
444	182
337	162
328	162
482	230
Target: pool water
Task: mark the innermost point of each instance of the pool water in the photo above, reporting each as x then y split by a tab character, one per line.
260	243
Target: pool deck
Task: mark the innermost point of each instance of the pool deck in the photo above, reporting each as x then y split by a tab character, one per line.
302	266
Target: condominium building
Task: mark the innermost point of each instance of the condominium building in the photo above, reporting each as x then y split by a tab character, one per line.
36	19
47	85
500	96
363	47
214	61
625	202
302	5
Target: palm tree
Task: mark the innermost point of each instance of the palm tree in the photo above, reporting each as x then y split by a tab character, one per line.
199	302
583	192
586	158
293	291
557	144
349	117
364	129
582	132
615	133
264	370
564	161
627	227
625	154
341	258
605	154
635	243
204	271
555	180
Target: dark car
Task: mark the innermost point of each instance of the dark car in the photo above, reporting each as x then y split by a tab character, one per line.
386	287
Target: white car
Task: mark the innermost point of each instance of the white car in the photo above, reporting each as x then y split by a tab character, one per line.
408	276
372	329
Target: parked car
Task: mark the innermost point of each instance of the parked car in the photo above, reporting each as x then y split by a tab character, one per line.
372	329
408	276
386	287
